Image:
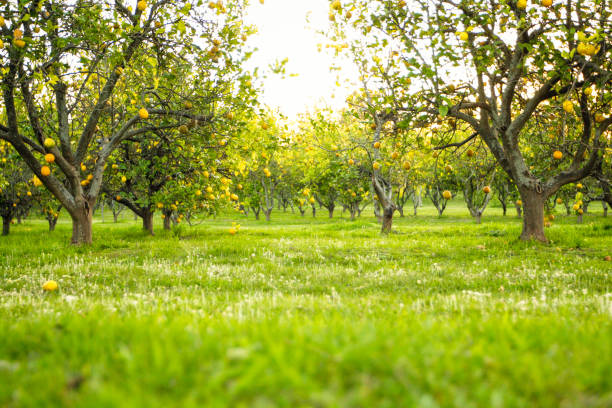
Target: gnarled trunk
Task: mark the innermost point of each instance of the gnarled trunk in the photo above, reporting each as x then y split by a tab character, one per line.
387	220
147	221
353	209
52	224
533	218
82	224
167	219
6	225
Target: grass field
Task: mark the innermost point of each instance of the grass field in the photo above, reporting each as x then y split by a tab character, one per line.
304	312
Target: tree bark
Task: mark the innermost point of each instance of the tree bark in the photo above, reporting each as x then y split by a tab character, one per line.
478	218
147	221
387	220
82	224
52	224
519	211
167	219
401	211
314	211
6	225
605	208
267	214
533	218
579	219
331	211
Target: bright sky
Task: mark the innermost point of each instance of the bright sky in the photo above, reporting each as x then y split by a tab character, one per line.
284	32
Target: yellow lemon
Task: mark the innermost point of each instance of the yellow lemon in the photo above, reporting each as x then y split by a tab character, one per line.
50	286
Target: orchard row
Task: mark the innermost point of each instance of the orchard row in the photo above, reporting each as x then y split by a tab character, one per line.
149	105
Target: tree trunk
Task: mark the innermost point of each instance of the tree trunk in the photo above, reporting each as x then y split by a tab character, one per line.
387	220
585	207
6	225
267	214
478	218
314	211
533	218
167	219
579	220
19	219
605	208
519	211
354	209
331	211
115	217
52	224
82	224
147	221
504	208
401	211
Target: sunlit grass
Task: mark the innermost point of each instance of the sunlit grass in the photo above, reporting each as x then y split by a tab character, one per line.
309	312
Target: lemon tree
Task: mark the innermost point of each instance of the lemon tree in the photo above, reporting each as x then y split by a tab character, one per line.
65	64
494	70
15	187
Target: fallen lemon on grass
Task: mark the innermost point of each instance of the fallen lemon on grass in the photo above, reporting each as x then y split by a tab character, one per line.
50	286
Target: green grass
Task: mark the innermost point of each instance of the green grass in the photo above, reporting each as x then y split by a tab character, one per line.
304	312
